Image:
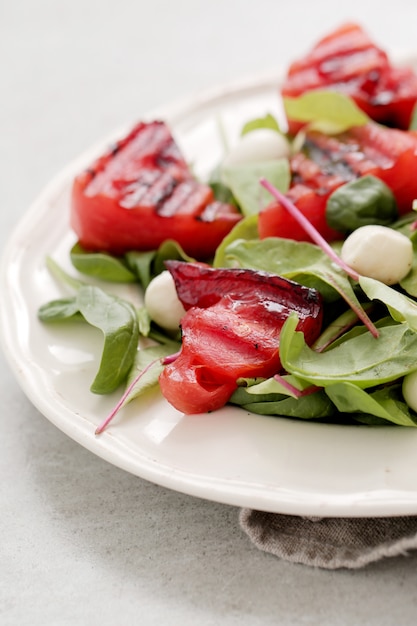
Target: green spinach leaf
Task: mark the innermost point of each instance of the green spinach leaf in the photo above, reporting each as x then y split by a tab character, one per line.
361	360
325	110
245	230
386	403
243	181
254	399
267	121
401	307
59	310
147	367
117	320
101	265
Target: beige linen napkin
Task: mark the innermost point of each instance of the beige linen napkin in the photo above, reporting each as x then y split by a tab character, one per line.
330	543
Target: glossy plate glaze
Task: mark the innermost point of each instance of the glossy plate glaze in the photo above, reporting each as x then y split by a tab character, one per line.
230	456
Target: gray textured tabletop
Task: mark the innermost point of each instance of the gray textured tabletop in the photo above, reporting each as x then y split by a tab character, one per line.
83	542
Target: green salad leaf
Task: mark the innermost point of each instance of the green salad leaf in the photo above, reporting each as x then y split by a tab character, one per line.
267	121
148	264
117	320
59	310
361	360
400	306
62	276
132	267
101	265
386	403
147	368
302	262
409	282
324	110
314	406
243	181
245	230
365	200
271	397
413	121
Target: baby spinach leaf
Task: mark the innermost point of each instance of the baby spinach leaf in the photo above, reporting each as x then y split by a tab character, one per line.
413	121
147	368
337	329
101	265
359	202
59	310
361	360
146	265
401	308
267	121
243	181
304	263
168	250
222	193
272	387
144	376
313	406
386	403
118	322
355	331
140	263
325	110
409	282
144	321
245	230
60	274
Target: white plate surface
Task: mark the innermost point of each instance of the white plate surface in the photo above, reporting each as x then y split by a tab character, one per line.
230	456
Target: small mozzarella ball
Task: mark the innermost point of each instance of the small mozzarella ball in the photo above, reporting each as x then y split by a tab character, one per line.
262	144
162	302
410	390
378	252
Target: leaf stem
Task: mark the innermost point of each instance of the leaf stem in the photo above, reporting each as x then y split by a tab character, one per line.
309	228
358	310
324	245
165	361
170	358
337	328
293	390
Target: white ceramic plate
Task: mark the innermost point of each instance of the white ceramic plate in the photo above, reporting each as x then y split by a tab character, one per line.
230	456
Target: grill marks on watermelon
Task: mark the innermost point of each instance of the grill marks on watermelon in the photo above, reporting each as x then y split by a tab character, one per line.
349	61
146	169
166	195
330	161
231	329
148	147
327	162
141	193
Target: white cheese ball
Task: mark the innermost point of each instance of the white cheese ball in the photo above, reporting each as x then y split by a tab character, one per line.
378	252
410	390
162	302
262	144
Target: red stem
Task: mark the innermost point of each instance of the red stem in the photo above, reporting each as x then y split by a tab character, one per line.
119	405
296	392
323	244
309	228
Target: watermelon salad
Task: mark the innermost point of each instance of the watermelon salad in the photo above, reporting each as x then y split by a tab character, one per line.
297	302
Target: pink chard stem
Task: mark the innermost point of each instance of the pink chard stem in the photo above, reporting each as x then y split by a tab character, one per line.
309	228
293	390
129	389
322	243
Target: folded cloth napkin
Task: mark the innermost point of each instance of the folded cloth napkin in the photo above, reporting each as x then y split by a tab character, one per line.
330	543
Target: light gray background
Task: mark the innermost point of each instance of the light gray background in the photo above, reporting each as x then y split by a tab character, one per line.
81	541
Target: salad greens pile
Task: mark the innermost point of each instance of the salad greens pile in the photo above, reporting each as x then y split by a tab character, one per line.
347	376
